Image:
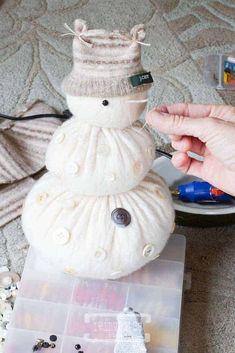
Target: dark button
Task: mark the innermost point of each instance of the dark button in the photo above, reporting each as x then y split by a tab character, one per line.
52	345
53	338
121	217
105	102
46	345
77	347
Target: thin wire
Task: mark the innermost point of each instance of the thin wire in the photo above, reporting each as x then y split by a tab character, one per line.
163	153
66	115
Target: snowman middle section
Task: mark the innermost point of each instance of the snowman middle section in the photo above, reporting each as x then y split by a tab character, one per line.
100	161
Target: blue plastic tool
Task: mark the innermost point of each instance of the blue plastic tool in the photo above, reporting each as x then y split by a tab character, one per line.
201	191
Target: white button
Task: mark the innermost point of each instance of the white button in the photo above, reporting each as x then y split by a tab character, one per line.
148	250
61	236
72	168
110	177
137	167
116	273
103	149
70	270
60	138
68	204
41	198
100	254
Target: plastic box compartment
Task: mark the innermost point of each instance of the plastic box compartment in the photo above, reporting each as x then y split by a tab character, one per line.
84	311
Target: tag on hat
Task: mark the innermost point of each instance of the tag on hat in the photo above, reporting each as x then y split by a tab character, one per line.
141	79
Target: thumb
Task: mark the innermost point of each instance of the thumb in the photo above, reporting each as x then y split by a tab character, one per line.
181	125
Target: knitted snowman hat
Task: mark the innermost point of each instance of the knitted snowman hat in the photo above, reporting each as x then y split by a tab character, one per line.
106	63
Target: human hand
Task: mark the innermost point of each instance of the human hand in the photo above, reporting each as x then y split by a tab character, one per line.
207	130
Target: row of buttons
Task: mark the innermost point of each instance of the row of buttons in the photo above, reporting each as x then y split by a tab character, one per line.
103	148
61	236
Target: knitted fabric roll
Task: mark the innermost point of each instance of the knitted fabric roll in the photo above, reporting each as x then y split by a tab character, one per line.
79	235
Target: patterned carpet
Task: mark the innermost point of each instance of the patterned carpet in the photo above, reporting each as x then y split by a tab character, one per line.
34	58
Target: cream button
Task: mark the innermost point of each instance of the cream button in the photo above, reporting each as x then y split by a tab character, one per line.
61	236
100	254
59	138
72	168
137	167
116	273
110	177
148	250
68	204
70	270
41	198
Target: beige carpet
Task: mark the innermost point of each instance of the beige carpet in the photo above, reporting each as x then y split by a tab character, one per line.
34	58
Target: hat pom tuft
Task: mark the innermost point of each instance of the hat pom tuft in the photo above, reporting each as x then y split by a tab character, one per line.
138	32
80	26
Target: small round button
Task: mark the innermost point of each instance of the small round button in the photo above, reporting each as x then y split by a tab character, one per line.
41	198
59	138
100	254
61	236
121	217
148	250
116	273
110	177
137	167
72	168
68	204
70	270
105	102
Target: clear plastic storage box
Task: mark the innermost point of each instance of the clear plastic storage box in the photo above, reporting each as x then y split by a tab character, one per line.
83	311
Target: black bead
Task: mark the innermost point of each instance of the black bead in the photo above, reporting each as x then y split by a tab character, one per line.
80	352
52	345
105	102
121	217
53	338
77	347
35	348
46	345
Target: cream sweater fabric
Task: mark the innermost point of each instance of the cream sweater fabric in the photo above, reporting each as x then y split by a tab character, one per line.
98	212
77	232
100	161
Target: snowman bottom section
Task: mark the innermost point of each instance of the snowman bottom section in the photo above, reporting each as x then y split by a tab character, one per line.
103	237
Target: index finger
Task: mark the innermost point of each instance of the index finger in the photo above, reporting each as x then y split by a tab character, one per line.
220	111
189	109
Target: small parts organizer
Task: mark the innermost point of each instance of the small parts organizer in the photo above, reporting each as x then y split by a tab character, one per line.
84	311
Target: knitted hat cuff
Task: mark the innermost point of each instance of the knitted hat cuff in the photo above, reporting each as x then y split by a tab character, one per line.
100	87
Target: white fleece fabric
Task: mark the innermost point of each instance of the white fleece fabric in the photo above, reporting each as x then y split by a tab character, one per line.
120	112
77	233
100	161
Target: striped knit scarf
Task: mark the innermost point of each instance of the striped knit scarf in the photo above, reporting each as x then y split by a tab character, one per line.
22	153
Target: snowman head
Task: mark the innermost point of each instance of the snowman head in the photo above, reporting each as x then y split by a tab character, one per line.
108	85
111	112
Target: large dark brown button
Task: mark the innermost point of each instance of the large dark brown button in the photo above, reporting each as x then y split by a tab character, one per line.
121	217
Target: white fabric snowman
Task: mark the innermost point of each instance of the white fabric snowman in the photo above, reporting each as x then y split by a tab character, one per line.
99	212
